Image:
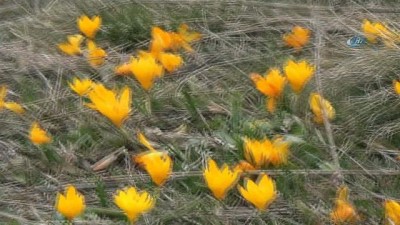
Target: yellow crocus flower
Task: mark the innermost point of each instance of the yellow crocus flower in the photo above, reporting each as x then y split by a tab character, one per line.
260	193
298	74
243	166
169	61
318	105
38	136
184	37
146	70
81	86
89	27
160	41
73	45
12	106
376	29
260	153
344	211
105	101
157	164
396	86
392	212
96	55
220	180
271	85
297	38
70	204
133	203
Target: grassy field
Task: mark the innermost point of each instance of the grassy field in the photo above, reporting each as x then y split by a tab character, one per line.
204	109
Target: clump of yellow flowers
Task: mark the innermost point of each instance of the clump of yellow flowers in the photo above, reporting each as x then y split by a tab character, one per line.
149	65
89	27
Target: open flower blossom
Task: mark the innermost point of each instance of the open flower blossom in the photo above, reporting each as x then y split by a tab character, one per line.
396	86
160	41
116	107
133	203
184	37
12	106
375	30
344	211
271	85
392	212
96	55
243	166
298	38
73	45
262	152
38	136
81	86
170	61
124	69
158	164
164	40
320	107
89	26
220	180
146	70
298	74
260	193
70	204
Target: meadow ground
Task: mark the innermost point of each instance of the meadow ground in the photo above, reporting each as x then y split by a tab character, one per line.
202	110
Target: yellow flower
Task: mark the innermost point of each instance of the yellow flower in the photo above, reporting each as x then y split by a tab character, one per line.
344	211
392	212
38	136
12	106
81	87
146	70
260	193
271	85
319	105
265	151
220	180
374	30
70	204
124	69
133	203
184	37
73	45
15	107
170	62
396	86
297	38
105	101
89	27
243	166
298	74
96	55
161	41
158	164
